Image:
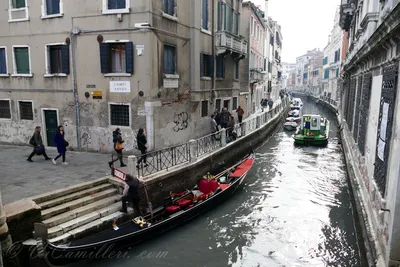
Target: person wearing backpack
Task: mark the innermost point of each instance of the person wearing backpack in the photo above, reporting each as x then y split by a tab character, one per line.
118	147
37	143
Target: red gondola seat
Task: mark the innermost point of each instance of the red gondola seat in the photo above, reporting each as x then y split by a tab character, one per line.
214	185
204	186
172	208
184	203
242	168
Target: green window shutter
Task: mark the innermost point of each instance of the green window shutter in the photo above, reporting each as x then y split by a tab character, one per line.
22	60
219	20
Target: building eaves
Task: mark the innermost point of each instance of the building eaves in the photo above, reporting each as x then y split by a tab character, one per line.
255	11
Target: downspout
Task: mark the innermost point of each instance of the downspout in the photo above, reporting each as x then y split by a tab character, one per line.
75	89
213	47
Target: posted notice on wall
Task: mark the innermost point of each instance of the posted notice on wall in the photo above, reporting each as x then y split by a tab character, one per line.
120	87
385	111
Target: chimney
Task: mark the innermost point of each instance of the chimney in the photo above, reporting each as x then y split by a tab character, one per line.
266	9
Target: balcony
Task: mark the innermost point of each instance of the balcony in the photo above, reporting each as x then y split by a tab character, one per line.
347	9
256	75
226	41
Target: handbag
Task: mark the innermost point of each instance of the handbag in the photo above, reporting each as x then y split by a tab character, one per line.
39	150
119	146
66	143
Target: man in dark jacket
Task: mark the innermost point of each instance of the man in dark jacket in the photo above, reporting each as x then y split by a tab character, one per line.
37	143
132	195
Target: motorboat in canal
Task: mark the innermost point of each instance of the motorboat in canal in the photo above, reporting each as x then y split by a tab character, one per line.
294	113
290	125
177	209
296	104
313	130
295	119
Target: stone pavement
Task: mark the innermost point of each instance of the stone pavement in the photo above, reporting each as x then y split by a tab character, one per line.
21	179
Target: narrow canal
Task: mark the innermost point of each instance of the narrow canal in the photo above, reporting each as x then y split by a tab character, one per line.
295	209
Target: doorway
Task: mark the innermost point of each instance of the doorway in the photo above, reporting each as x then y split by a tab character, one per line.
227	104
50	124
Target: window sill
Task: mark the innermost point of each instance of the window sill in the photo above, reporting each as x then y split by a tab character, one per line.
170	17
55	75
219	79
205	78
115	11
5	119
52	16
236	80
205	31
5	75
171	76
22	75
117	75
18	20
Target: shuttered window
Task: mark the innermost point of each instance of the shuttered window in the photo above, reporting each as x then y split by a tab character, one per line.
116	57
219	16
228	18
337	72
220	62
18	4
169	59
58	59
169	7
218	104
206	65
236	66
21	55
204	14
325	61
3	61
204	108
53	7
326	74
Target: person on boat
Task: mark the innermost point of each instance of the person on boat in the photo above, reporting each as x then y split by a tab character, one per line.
131	194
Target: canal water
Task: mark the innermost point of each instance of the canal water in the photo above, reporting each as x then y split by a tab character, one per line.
295	209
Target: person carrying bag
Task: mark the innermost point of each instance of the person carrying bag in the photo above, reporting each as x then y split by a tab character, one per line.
118	147
37	143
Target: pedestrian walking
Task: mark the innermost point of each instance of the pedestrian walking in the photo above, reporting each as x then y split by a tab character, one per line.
142	146
118	147
240	113
225	117
131	194
37	143
61	145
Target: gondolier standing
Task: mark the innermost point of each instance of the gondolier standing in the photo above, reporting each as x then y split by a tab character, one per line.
131	194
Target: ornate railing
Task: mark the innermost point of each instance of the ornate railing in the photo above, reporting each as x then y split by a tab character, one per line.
167	158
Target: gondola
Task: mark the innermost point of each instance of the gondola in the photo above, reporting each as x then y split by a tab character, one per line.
207	194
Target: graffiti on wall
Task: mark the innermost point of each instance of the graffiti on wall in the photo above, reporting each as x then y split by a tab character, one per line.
181	121
86	139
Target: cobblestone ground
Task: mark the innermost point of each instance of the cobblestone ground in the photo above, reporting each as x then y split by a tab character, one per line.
21	179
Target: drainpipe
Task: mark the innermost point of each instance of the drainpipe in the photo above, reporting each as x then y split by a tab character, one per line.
72	35
213	47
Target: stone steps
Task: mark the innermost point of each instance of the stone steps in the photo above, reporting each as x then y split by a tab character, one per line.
81	210
74	196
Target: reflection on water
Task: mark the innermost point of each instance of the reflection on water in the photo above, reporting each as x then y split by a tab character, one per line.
293	210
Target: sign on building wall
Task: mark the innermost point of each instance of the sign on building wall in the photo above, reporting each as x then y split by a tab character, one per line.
120	87
170	83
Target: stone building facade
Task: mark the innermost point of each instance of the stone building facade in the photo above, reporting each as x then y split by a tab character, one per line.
103	64
370	106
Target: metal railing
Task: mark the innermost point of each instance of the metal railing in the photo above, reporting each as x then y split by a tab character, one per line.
329	100
163	159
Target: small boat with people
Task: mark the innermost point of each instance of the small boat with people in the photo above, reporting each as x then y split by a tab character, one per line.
313	131
178	208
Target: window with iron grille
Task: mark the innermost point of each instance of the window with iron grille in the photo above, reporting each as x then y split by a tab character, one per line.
5	110
204	108
119	115
25	110
234	103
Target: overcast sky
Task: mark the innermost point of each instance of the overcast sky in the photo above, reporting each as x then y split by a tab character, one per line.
305	24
